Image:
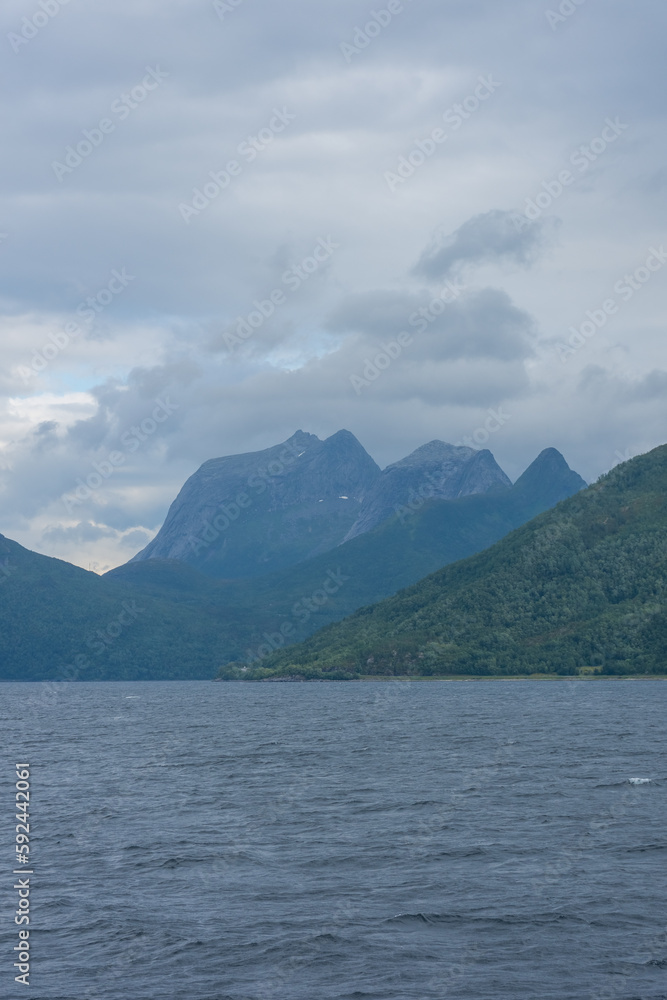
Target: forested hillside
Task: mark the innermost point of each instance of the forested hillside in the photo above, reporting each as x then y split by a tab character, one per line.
580	588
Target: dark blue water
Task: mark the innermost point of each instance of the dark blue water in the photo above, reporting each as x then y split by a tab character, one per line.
330	841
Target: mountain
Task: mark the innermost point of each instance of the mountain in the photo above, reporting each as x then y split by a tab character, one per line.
164	620
250	515
372	566
247	515
59	622
436	471
548	481
579	589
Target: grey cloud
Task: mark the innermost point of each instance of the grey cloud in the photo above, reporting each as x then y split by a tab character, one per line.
480	324
652	386
379	313
85	531
491	237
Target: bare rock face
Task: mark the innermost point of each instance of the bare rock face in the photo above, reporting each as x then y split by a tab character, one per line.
246	515
435	471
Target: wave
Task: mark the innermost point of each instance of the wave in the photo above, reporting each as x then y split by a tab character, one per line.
509	919
635	782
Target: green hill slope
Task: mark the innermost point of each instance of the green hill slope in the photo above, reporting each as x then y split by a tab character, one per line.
579	588
59	622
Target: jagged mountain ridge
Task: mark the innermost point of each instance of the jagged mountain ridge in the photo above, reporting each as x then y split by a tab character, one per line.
162	619
249	515
436	471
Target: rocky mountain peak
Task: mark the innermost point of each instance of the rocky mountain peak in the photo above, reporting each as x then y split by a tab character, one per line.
436	470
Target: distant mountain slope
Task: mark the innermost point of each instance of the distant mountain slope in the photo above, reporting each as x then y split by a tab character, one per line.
162	619
436	471
59	622
582	587
398	553
247	515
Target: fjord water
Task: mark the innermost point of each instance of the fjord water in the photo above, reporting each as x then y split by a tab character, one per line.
482	840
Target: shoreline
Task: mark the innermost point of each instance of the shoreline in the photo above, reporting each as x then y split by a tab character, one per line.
404	679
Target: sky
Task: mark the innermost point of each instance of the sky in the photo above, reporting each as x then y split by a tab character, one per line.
222	222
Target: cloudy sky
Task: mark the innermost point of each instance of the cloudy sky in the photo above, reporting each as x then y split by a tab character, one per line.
216	217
